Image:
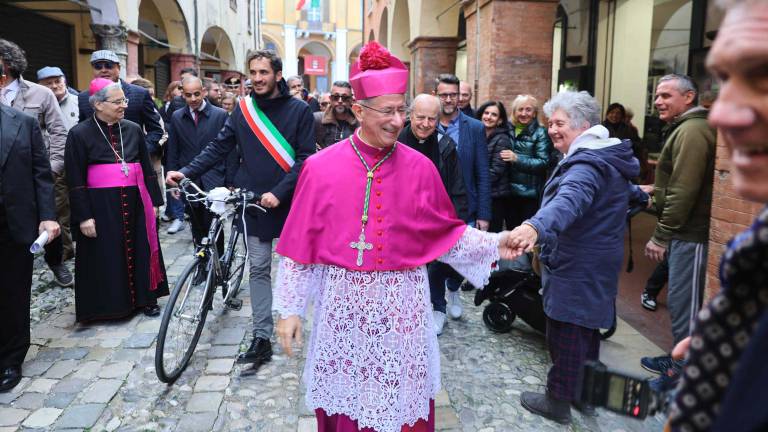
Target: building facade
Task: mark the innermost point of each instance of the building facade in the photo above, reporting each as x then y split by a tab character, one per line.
154	39
318	39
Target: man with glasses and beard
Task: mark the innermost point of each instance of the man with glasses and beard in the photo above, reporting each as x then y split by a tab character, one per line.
141	108
273	133
337	121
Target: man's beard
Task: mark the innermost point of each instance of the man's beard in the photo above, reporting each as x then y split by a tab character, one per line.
341	109
270	88
444	110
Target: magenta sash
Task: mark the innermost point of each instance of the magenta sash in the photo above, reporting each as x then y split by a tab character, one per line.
111	175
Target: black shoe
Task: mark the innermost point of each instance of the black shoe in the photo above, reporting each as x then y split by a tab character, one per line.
62	275
9	378
152	310
585	409
545	406
260	351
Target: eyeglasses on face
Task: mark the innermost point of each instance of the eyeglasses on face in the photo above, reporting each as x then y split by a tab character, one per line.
121	101
389	112
445	96
103	65
338	97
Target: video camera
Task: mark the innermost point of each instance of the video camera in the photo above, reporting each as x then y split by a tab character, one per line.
621	393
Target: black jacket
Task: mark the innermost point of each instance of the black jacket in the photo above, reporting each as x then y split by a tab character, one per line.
27	185
186	141
445	157
498	169
141	110
329	131
258	171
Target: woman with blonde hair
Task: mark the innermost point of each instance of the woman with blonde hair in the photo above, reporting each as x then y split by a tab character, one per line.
530	158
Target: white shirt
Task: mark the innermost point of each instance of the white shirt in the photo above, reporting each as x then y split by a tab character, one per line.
9	92
202	107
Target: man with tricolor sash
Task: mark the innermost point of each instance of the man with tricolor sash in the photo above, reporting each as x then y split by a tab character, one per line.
274	133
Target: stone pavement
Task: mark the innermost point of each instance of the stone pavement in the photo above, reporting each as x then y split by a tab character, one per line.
101	376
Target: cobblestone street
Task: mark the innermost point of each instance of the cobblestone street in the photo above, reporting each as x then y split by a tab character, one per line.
101	376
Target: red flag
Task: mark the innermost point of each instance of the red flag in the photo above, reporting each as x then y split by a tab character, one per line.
300	5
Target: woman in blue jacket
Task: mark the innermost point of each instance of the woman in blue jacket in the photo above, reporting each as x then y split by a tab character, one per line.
580	230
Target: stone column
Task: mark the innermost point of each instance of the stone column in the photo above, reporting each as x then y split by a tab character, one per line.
510	64
340	66
113	38
431	56
179	62
290	59
132	67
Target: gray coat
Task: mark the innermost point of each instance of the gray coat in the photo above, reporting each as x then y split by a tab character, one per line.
40	102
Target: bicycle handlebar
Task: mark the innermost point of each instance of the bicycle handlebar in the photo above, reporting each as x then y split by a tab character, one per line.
236	195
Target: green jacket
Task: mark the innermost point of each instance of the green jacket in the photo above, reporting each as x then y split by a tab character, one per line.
684	176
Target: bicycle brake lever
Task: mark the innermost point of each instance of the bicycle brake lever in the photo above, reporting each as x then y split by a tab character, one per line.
258	207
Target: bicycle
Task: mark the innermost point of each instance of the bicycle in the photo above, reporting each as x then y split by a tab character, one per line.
192	296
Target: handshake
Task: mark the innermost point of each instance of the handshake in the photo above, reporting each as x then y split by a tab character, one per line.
520	240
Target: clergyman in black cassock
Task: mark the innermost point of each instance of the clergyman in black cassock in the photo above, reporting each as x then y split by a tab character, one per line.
112	270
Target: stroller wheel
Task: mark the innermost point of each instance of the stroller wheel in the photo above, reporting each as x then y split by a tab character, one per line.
498	317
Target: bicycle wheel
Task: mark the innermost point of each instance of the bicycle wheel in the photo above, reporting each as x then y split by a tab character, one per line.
183	320
234	267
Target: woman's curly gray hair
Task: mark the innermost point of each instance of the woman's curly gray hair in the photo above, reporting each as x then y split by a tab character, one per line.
101	95
580	107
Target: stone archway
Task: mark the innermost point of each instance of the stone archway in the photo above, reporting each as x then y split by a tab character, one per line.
161	34
383	38
315	80
216	51
400	35
272	44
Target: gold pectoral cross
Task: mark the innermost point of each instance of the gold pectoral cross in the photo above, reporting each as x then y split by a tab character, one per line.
361	246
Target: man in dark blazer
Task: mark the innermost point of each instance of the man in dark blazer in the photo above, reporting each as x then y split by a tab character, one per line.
26	210
191	129
141	109
469	135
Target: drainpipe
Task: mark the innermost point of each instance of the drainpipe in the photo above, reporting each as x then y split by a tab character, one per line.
197	34
476	84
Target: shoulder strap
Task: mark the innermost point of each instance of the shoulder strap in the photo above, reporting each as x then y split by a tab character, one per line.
267	134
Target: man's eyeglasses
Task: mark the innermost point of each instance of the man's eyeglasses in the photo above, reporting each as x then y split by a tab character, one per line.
445	96
122	101
103	65
389	112
343	98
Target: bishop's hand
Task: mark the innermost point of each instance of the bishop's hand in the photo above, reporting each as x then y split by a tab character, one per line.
288	330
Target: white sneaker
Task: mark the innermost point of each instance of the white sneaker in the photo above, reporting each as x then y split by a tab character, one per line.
454	304
176	226
439	319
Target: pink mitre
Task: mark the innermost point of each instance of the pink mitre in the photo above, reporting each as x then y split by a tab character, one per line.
98	84
377	72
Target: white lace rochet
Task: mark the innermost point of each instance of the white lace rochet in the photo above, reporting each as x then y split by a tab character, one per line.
373	353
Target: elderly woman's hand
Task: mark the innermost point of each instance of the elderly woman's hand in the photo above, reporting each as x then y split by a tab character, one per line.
88	228
523	238
508	156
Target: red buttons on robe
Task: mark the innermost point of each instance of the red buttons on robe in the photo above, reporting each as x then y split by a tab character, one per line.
378	219
378	193
378	180
378	206
379	260
380	247
379	233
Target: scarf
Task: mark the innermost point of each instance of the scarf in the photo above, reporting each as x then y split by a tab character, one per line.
723	329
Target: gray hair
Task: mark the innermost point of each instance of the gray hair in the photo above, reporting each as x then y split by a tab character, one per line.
101	95
684	84
294	78
14	58
192	78
580	107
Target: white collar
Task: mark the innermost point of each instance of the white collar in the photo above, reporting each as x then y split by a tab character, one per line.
593	138
202	107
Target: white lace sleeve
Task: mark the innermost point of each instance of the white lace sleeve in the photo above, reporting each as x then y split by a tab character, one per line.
473	255
295	285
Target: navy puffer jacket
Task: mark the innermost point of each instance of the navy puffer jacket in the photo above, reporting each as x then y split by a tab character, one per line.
499	140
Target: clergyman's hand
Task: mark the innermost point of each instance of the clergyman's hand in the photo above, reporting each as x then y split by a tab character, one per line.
506	250
483	225
288	330
88	228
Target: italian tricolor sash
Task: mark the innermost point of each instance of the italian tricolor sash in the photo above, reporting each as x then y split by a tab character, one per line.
267	134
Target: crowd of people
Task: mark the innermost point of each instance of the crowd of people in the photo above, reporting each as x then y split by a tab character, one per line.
384	209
